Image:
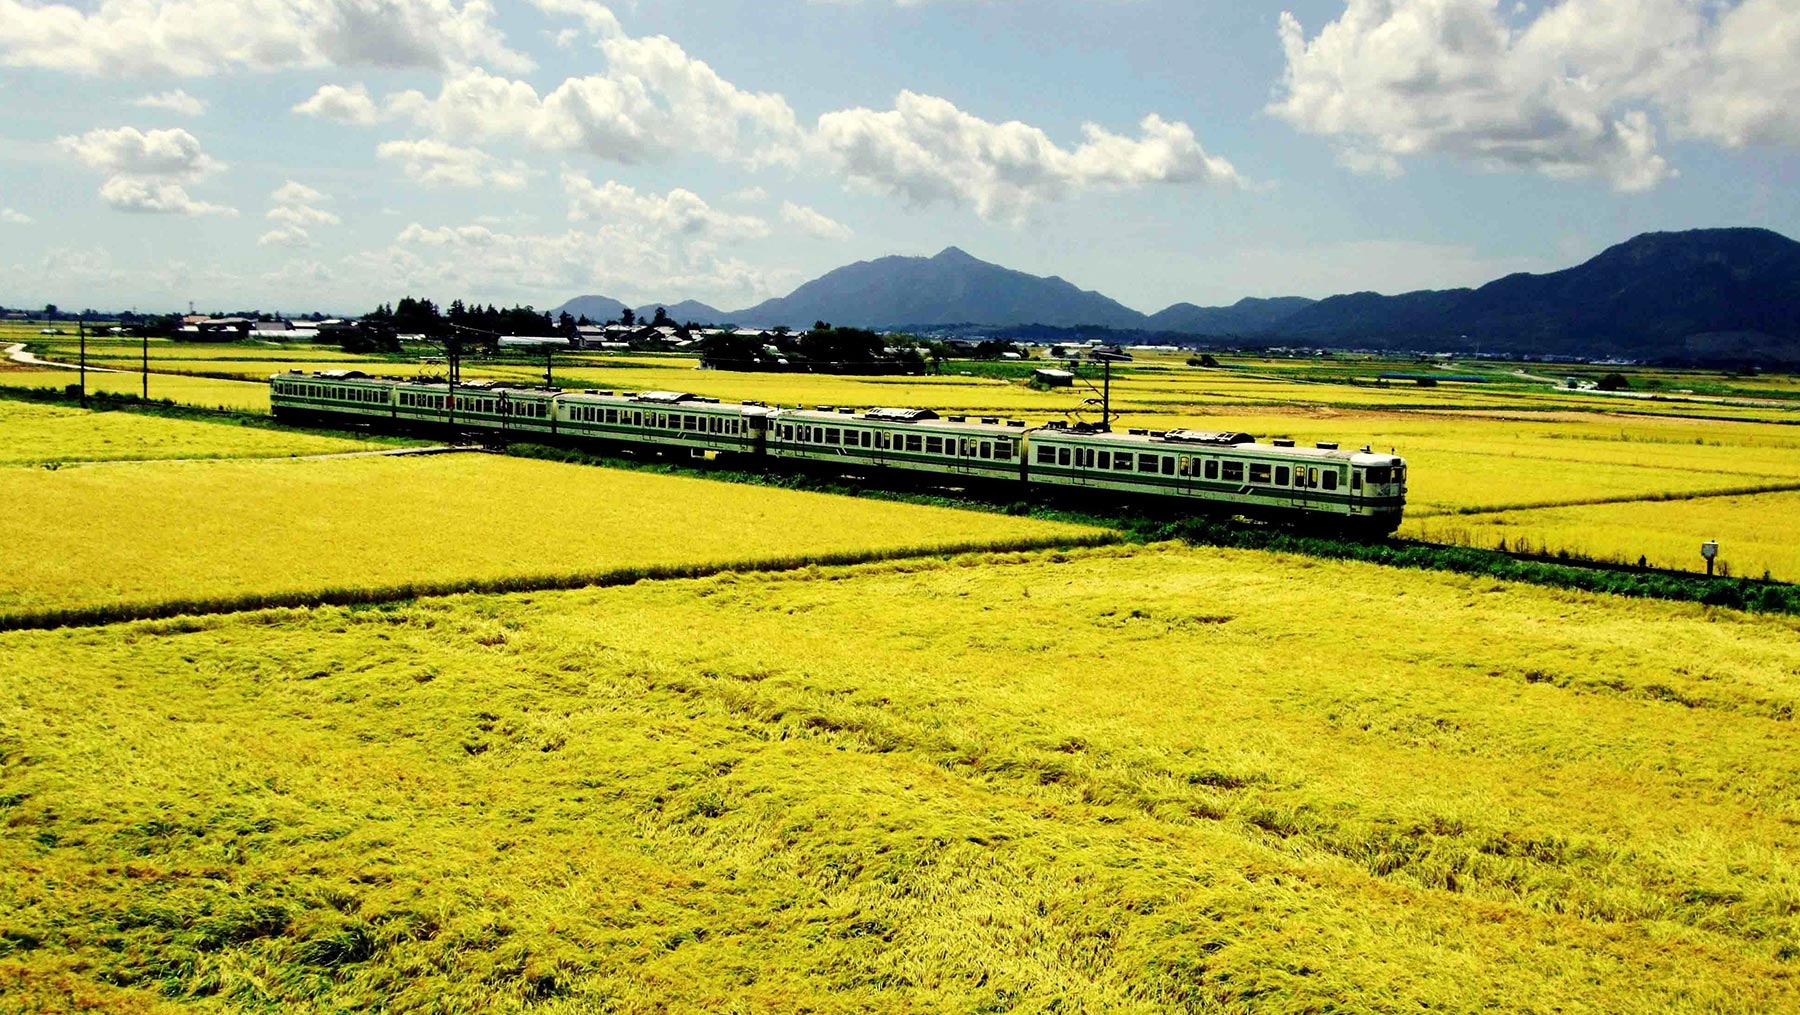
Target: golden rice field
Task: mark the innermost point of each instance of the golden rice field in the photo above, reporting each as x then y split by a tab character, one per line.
1756	534
1121	780
201	392
39	434
132	535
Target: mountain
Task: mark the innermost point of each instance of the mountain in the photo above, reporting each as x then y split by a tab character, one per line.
1695	295
594	308
950	288
1248	316
683	312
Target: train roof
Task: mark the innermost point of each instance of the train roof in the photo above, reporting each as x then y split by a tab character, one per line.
923	419
1192	441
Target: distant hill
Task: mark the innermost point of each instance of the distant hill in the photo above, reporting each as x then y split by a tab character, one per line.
594	308
605	308
1248	316
950	288
1701	295
1696	295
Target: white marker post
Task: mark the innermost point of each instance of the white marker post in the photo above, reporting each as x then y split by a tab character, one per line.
1709	550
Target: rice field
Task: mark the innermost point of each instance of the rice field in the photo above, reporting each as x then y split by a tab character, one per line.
1756	534
200	392
131	536
40	434
1132	780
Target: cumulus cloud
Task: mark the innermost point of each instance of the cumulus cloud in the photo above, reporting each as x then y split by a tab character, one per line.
146	170
174	153
436	164
195	38
927	150
155	197
14	218
678	214
351	105
652	101
286	236
295	211
1570	92
813	223
295	192
176	101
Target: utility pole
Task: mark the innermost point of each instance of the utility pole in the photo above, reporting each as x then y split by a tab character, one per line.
145	334
549	354
81	329
1106	359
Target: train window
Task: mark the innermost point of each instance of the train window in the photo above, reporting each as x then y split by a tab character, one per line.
1105	459
1046	455
1003	450
987	449
1355	479
1400	474
1312	477
1147	463
1234	472
1331	478
1187	466
1259	472
934	445
1281	475
1122	461
868	439
1168	466
637	419
831	435
1378	474
913	443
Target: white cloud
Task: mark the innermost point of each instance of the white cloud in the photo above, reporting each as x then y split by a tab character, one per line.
679	214
301	215
295	192
1746	90
146	170
598	18
196	38
174	153
176	101
339	104
926	150
813	223
286	236
436	164
1569	93
14	218
748	195
155	197
653	101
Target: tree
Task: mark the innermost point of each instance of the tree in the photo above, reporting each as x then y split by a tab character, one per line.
1613	382
566	324
661	319
628	318
50	311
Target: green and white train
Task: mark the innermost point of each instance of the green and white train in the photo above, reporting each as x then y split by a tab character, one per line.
1201	472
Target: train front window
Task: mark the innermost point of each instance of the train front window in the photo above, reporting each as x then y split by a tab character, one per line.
1379	475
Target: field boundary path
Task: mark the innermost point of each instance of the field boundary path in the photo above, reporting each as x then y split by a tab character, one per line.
18	354
436	449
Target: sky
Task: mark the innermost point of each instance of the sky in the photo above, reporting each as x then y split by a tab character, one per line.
293	155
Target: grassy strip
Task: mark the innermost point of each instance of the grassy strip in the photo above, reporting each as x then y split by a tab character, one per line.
1565	570
1623	498
93	616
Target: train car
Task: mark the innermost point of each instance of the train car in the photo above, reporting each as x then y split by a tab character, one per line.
1227	473
671	420
331	396
915	441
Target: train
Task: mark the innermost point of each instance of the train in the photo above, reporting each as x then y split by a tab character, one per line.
1356	492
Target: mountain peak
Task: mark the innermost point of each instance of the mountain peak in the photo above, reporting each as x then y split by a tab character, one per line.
950	254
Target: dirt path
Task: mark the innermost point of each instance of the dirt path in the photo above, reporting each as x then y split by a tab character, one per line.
16	353
436	449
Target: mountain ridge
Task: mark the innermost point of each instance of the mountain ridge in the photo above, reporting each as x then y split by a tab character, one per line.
1702	294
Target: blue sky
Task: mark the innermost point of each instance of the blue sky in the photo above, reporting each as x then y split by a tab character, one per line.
301	154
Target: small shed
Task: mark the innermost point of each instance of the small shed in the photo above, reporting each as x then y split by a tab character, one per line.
1051	377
